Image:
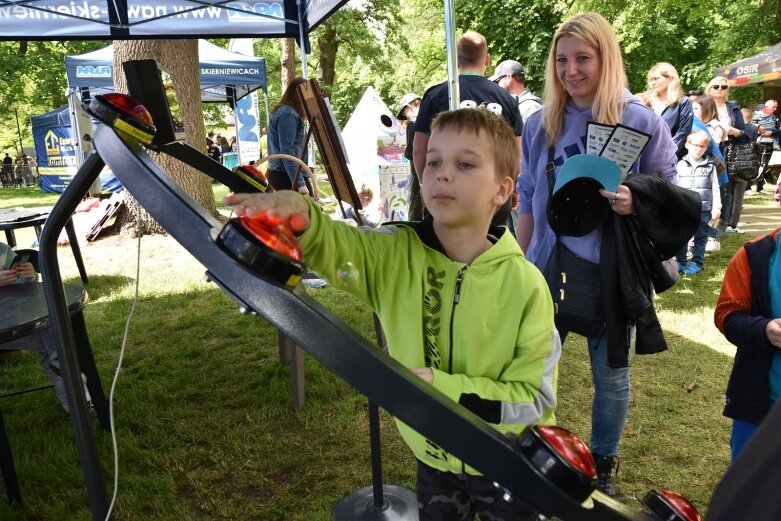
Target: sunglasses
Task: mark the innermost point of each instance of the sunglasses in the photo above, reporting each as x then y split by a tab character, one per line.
720	87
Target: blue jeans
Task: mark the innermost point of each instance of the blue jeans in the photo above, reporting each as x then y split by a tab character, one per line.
700	240
610	405
742	431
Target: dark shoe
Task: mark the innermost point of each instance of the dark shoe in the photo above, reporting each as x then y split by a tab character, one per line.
605	476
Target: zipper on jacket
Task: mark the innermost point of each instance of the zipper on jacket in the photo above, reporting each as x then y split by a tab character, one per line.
456	294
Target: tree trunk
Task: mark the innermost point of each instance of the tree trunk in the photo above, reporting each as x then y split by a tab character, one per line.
328	46
288	61
180	57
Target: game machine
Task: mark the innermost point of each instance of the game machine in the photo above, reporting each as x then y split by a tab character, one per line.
258	264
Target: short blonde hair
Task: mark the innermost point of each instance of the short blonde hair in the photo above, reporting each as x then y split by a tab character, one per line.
674	89
505	150
471	49
699	134
609	101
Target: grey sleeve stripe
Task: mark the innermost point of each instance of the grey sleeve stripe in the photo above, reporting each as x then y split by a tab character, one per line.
531	413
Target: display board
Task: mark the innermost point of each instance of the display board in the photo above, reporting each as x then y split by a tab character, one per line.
329	141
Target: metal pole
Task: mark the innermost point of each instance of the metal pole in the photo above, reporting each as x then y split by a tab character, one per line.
452	61
301	37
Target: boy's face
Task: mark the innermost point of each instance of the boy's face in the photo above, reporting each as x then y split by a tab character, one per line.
696	147
460	185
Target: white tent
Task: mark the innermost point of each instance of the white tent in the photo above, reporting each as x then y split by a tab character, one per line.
375	142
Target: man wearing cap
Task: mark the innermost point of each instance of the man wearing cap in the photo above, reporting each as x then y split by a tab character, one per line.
408	111
475	90
511	76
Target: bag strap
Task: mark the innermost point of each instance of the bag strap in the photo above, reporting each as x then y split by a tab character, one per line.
550	172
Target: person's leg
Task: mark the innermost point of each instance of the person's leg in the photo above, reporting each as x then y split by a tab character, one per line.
725	191
278	179
741	433
609	410
611	400
415	200
738	190
764	164
442	496
681	257
700	239
490	503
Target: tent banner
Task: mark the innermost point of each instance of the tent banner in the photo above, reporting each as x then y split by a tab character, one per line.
85	18
55	151
247	119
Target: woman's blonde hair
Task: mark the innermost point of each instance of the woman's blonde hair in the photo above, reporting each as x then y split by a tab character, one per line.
674	89
609	100
712	82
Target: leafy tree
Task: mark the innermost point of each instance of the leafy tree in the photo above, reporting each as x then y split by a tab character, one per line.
516	30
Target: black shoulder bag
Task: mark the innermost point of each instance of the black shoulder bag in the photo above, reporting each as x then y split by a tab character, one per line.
574	283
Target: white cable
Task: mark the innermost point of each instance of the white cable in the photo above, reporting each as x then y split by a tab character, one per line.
116	374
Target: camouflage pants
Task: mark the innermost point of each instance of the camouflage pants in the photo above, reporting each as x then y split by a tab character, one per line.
444	496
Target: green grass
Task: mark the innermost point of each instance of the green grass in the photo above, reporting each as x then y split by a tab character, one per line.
204	417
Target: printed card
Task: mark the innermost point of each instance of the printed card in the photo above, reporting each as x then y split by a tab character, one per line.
597	135
624	147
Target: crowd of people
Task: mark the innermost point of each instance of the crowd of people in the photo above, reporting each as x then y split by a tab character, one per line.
488	226
19	172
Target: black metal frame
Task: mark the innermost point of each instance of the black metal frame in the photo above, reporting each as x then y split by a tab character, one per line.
307	323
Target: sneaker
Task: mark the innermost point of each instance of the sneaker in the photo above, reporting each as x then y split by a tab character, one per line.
606	482
314	283
713	244
681	267
734	229
691	269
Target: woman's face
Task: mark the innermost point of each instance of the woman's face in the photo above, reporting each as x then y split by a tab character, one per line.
579	69
697	110
658	83
718	91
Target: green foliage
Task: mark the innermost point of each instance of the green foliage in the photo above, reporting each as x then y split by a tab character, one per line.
515	29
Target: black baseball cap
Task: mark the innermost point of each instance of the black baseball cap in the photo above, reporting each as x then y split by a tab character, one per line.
575	207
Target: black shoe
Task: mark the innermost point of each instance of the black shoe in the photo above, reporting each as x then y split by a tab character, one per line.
606	475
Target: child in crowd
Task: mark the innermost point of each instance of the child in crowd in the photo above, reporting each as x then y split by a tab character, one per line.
13	271
368	218
446	270
697	172
748	313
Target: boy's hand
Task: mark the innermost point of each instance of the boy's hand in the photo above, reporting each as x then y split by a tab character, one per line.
24	270
425	373
285	205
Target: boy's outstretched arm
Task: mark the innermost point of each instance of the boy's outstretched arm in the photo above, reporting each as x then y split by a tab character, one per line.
285	205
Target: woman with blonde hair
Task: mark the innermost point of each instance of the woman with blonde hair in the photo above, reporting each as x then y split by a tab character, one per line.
732	121
669	101
585	82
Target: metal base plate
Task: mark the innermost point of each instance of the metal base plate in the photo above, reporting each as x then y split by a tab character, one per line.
399	504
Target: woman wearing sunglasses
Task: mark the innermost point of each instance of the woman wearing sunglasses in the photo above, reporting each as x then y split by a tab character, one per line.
732	121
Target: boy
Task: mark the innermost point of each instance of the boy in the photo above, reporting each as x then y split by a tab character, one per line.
432	284
697	172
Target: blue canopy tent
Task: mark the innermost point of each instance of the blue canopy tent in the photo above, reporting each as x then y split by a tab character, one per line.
224	74
56	149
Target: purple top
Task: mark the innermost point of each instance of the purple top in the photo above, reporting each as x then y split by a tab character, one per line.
658	157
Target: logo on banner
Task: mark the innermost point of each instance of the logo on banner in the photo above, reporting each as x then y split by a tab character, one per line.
92	71
52	144
246	12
